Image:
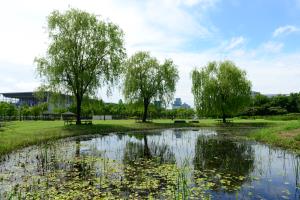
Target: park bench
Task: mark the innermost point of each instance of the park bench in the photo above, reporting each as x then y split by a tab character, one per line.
83	121
87	121
69	121
194	121
68	117
227	120
179	121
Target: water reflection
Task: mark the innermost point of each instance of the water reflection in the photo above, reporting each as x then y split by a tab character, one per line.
230	167
224	162
136	150
225	156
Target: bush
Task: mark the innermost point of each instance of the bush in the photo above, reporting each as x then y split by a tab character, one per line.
276	110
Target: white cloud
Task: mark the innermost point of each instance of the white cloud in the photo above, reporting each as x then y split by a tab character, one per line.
285	30
272	47
162	27
203	3
235	42
156	26
148	25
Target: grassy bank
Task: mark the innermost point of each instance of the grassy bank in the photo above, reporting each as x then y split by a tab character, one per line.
15	135
284	134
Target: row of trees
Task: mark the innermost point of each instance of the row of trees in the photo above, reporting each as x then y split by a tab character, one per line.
274	105
9	111
86	53
131	110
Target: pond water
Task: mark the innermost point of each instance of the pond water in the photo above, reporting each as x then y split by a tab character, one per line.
166	164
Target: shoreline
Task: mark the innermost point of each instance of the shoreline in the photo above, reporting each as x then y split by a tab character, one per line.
17	135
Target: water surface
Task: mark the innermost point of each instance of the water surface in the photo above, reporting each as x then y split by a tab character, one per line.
190	162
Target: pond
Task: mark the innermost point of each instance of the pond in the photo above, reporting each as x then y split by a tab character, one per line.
202	163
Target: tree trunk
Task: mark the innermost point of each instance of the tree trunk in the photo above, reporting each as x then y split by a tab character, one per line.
224	118
78	110
147	153
223	114
146	103
77	148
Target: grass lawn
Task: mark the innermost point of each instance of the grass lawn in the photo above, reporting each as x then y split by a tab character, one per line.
18	134
284	134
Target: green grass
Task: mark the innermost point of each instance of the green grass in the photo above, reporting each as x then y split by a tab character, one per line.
284	117
284	134
15	135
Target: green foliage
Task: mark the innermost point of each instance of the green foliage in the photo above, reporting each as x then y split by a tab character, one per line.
8	109
37	110
183	113
25	110
260	99
84	53
180	113
275	105
147	80
220	89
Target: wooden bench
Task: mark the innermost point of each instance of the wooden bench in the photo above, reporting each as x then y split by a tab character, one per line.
179	121
69	121
87	121
194	121
227	120
83	121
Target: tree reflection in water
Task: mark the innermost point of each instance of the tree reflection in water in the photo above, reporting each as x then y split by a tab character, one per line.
142	161
136	151
224	162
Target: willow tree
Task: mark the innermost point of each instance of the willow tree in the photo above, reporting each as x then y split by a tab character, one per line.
147	80
84	54
220	89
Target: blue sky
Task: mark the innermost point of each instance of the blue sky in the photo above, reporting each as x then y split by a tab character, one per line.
260	36
255	20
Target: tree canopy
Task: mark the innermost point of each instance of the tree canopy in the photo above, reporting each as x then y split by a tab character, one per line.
220	89
147	80
273	105
84	53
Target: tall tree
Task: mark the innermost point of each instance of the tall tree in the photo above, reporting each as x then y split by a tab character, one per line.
85	53
220	89
147	80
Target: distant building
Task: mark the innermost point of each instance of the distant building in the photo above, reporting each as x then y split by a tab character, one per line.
29	99
158	104
186	106
178	104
